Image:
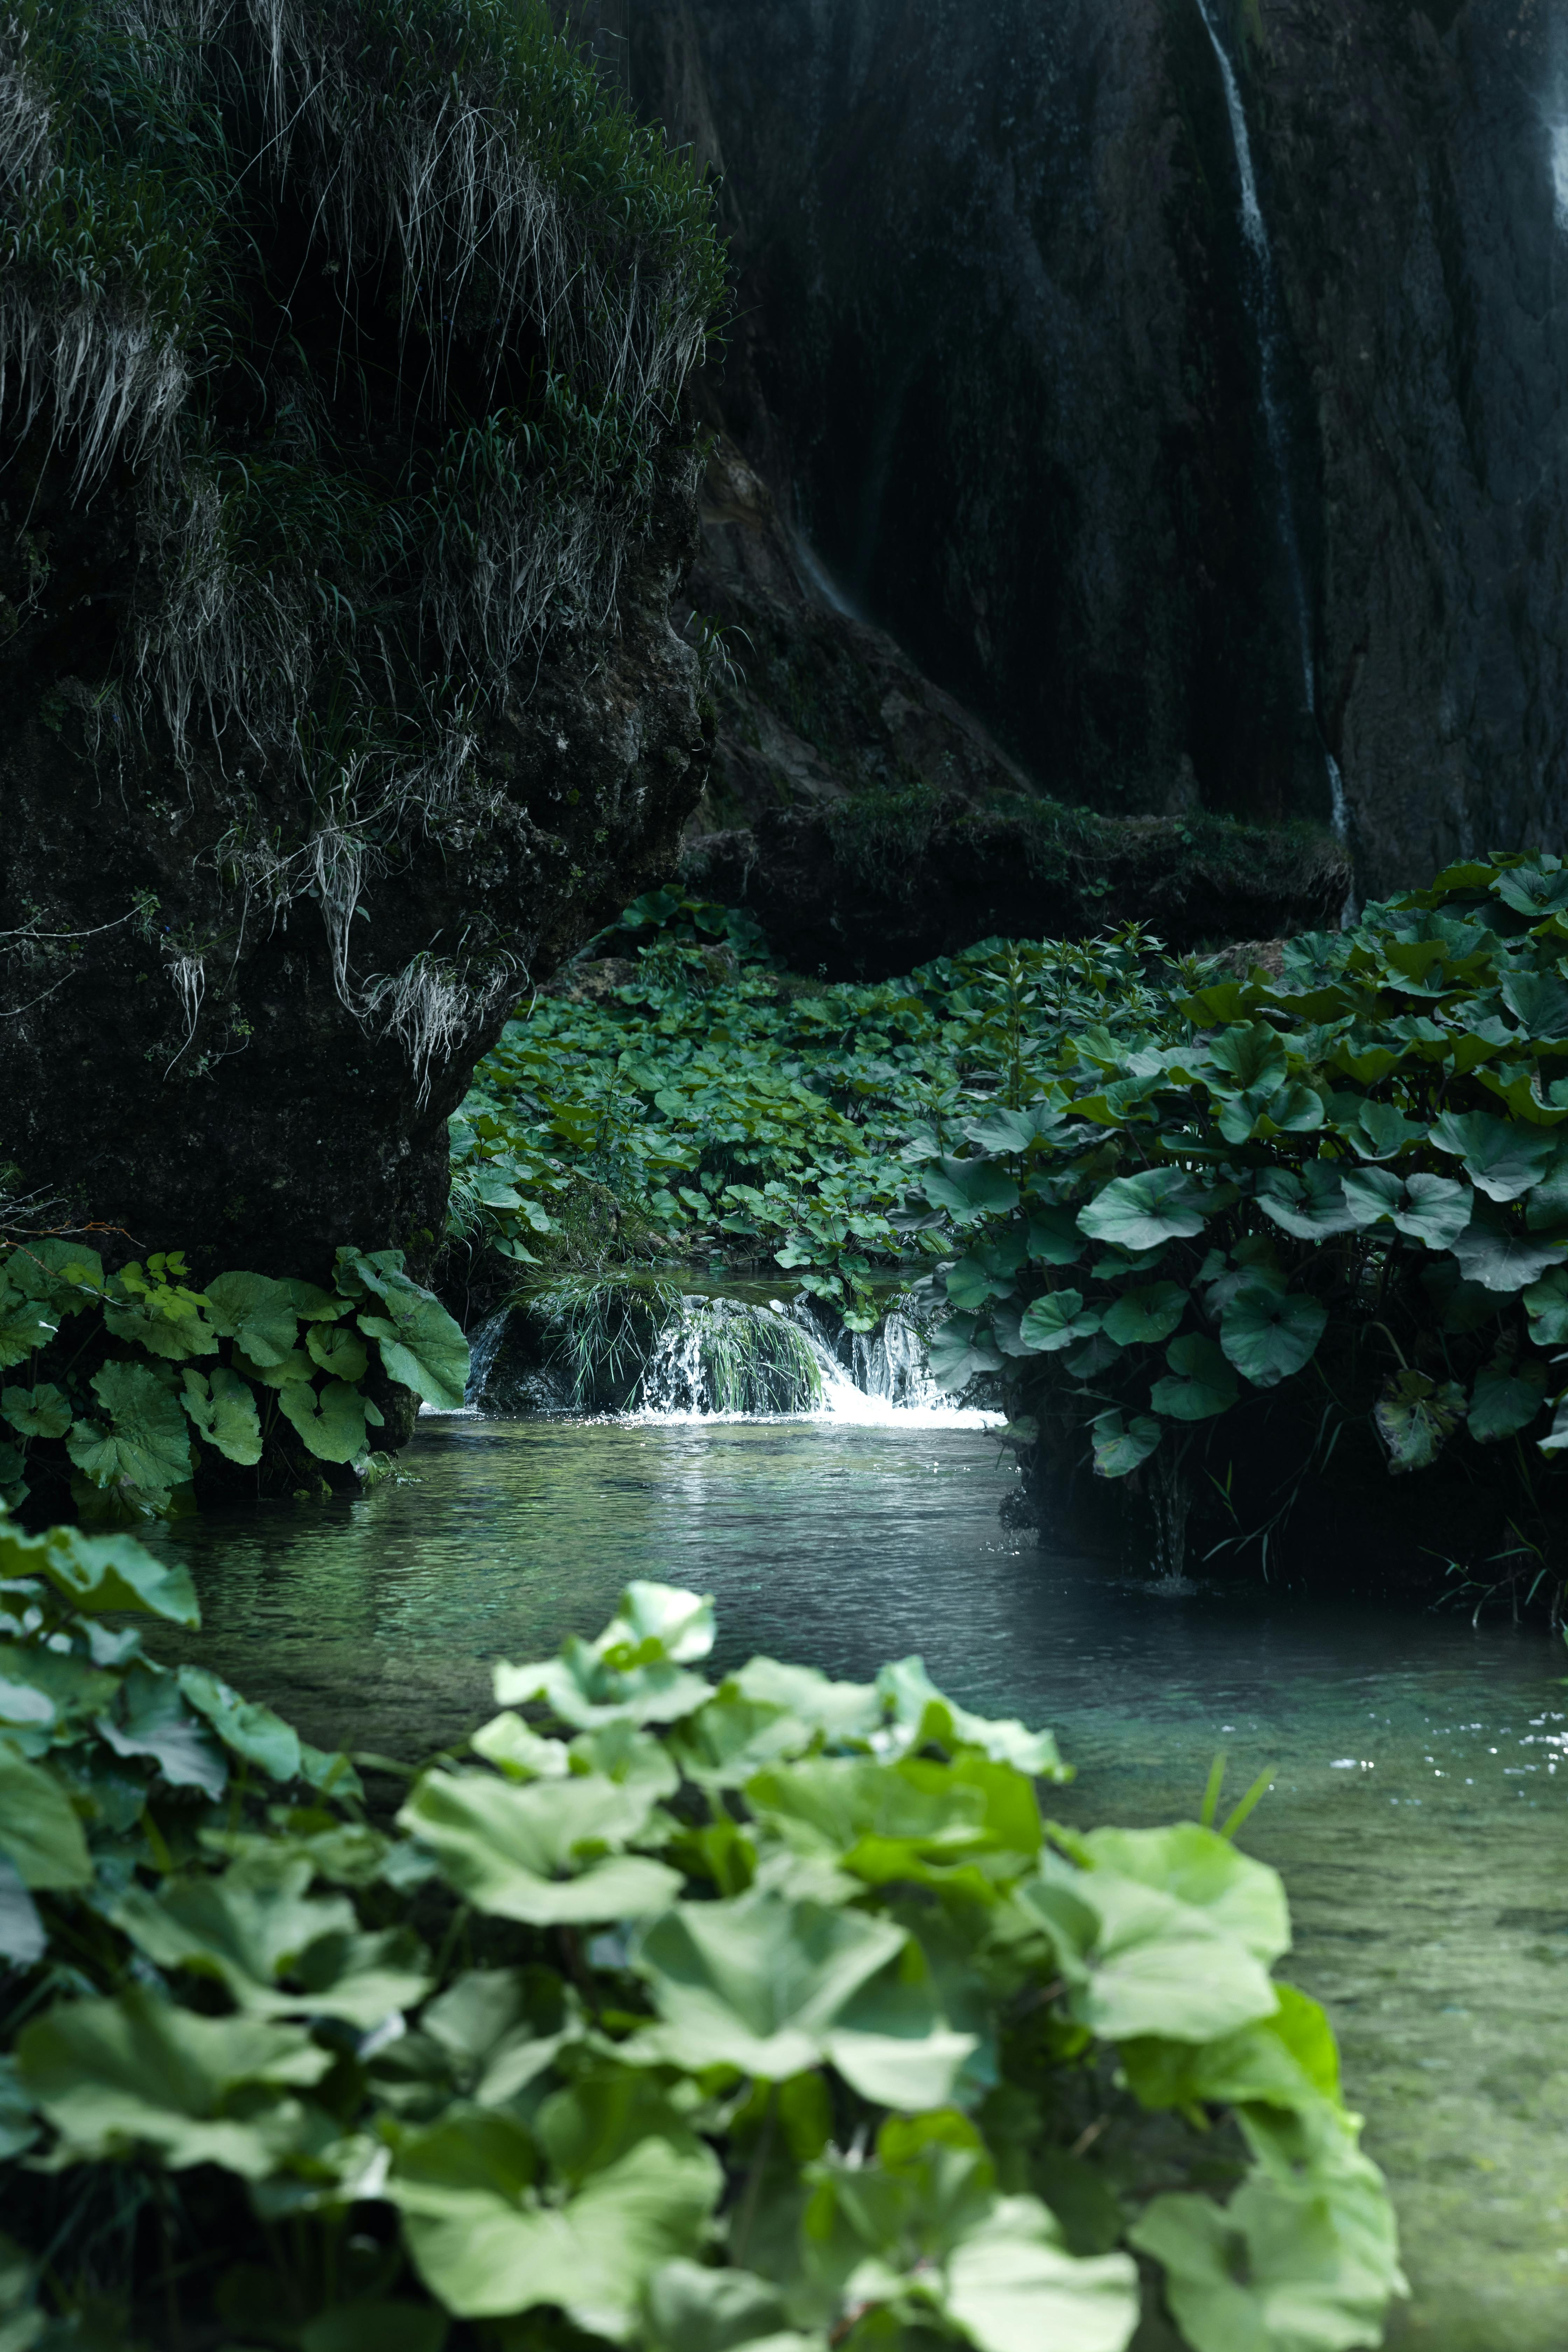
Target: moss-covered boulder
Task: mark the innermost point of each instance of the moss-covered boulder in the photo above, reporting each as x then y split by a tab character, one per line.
343	489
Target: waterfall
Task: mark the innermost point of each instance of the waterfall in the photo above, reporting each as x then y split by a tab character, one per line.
1263	302
483	1349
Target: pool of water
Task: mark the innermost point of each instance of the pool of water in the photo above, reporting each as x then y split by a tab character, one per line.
1420	1812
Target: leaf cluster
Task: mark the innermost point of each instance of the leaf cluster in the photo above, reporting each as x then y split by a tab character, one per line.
769	2011
121	1381
1344	1191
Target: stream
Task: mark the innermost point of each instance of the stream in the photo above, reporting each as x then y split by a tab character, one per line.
1420	1816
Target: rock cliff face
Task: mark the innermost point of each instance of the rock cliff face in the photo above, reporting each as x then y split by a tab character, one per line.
184	1065
341	497
997	353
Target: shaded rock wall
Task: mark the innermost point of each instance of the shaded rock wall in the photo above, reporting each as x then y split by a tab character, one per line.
229	1103
993	355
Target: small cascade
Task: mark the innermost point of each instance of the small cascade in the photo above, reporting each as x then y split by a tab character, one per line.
1263	302
483	1350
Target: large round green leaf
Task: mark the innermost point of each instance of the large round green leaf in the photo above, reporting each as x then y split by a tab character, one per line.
1056	1321
41	1411
1505	1400
958	1350
256	1312
1415	1416
422	1347
1268	1334
547	1854
138	2071
1146	1316
39	1831
1500	1157
1201	1381
25	1326
1122	1447
332	1423
222	1409
1309	1203
968	1188
146	1446
1500	1256
1431	1209
1158	1204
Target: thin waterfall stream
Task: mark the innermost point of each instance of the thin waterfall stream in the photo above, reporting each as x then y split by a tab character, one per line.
1264	304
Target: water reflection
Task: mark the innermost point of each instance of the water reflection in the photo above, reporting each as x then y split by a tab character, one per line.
1420	1814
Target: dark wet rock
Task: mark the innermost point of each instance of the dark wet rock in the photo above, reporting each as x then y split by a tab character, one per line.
994	356
252	1118
875	884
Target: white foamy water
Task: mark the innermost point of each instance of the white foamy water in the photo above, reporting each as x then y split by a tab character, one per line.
886	1384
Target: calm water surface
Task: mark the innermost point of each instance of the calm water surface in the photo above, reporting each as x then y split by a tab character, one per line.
1420	1816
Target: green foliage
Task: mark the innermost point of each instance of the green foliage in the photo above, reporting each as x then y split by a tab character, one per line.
769	2010
729	1108
1345	1191
145	1372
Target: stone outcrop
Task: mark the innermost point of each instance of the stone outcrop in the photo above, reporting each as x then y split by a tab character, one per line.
184	1067
996	355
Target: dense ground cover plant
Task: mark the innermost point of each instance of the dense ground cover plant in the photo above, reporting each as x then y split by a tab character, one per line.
733	1109
126	1388
1292	1213
685	2015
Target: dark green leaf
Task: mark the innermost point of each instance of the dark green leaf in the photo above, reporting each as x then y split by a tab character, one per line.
1270	1334
1201	1384
1140	1211
1147	1315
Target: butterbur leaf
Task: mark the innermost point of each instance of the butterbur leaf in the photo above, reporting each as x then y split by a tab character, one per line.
1546	1306
39	1835
486	2249
22	1944
1054	1237
1277	2267
1504	1257
1309	1203
25	1326
690	2307
1539	999
960	1349
1415	1416
972	1285
1247	1060
1505	1400
256	1312
341	1353
1138	1211
146	1445
41	1411
422	1347
968	1188
1201	1381
246	1729
103	1572
1532	890
1268	1334
222	1409
1012	2286
546	1854
1147	1315
136	2071
1058	1321
1382	1131
1502	1157
1122	1447
1431	1209
151	1719
772	1987
332	1423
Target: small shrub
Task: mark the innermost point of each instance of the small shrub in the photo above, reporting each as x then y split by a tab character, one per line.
130	1387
